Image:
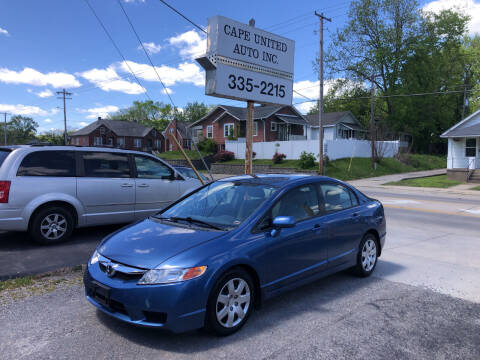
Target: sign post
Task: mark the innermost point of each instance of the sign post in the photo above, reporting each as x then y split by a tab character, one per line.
247	64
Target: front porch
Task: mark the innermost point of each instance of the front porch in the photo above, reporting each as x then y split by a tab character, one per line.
463	162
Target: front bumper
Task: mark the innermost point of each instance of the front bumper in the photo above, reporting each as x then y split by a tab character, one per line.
177	307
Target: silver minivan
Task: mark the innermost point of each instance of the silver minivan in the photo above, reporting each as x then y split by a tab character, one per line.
50	190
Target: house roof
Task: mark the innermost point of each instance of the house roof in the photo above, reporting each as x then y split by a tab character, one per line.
119	127
328	119
291	119
470	126
240	113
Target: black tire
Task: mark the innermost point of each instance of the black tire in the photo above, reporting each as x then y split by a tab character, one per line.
364	266
211	322
60	230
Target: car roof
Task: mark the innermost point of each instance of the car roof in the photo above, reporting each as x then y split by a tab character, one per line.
275	179
32	148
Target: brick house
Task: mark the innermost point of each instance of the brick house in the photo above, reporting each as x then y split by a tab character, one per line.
128	135
271	123
181	131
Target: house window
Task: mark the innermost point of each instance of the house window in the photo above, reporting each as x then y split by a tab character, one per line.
470	147
154	133
210	131
102	130
228	130
97	141
110	141
121	141
137	143
273	126
255	128
158	144
171	130
84	141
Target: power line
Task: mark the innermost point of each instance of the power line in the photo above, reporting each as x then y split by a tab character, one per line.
183	16
117	48
146	52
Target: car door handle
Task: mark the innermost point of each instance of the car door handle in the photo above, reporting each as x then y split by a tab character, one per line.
142	185
354	215
127	185
316	227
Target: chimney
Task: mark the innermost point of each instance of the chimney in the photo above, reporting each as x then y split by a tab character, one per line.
99	118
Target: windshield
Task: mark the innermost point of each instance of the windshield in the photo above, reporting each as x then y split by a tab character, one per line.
223	204
190	173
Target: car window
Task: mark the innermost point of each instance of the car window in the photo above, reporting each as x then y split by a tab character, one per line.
107	165
337	197
301	203
151	169
3	155
48	163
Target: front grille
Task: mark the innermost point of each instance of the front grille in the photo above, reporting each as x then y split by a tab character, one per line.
122	275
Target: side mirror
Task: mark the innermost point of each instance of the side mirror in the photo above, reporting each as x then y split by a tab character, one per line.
284	222
281	222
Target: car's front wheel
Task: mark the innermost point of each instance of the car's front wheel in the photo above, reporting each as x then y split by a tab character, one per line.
51	225
230	302
367	256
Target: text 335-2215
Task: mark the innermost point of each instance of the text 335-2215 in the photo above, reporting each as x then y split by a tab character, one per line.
248	84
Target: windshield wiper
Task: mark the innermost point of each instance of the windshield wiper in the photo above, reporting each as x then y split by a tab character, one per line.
190	220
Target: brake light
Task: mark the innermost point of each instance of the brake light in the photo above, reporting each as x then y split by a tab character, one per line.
4	191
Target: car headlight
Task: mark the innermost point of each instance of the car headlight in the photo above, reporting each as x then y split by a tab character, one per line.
172	275
94	258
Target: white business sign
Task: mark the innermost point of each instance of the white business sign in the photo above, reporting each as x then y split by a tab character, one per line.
246	63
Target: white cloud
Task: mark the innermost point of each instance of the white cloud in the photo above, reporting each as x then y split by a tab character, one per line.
469	7
184	73
190	43
307	88
19	109
167	91
4	32
102	111
108	80
33	77
45	93
82	123
48	120
151	47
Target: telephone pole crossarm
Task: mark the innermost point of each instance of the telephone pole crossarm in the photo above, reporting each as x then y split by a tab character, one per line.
321	169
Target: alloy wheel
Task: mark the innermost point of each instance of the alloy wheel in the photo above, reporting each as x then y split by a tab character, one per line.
233	303
53	226
369	255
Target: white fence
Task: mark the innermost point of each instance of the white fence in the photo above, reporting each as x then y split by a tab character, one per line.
334	149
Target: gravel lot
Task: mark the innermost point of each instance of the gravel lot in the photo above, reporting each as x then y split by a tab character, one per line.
340	317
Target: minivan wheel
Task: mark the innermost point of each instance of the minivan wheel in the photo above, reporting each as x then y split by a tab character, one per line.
230	302
367	256
51	225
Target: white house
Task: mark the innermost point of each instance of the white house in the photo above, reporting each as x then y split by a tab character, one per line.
464	149
336	125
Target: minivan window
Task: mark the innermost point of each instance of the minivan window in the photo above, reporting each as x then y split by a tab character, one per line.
106	165
3	155
48	163
151	169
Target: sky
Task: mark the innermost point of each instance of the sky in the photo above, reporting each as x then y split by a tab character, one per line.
49	45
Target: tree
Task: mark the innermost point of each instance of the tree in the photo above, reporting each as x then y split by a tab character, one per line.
20	129
193	112
53	137
149	113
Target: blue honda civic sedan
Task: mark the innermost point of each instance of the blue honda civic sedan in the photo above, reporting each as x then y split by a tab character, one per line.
213	256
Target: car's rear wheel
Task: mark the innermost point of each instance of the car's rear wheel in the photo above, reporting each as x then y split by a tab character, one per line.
230	302
367	255
51	225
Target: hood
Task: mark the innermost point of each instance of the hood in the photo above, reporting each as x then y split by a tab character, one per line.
149	243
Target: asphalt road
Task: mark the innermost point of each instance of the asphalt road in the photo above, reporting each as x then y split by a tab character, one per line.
423	302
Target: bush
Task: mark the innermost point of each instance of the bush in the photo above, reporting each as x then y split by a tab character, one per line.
278	158
224	156
307	160
254	154
207	146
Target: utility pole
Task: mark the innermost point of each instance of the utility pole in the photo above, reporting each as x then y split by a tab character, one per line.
464	101
249	128
64	94
321	170
372	122
5	126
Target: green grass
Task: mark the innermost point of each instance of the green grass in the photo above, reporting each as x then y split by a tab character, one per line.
476	188
439	181
16	283
177	155
362	167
